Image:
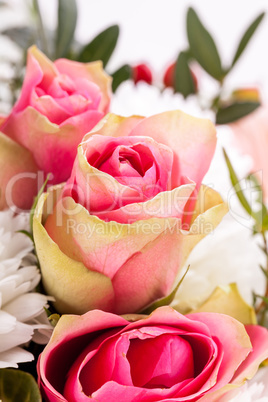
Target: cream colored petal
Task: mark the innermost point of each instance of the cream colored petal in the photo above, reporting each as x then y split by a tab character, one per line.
115	126
75	288
227	300
18	175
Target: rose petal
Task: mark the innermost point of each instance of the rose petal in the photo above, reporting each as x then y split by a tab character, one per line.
72	330
193	141
164	205
233	339
43	138
91	71
259	340
101	246
74	278
18	175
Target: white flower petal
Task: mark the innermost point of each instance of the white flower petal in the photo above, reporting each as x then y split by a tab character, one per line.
13	356
8	323
21	334
26	306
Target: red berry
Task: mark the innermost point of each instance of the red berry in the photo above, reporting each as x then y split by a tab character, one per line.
142	72
169	77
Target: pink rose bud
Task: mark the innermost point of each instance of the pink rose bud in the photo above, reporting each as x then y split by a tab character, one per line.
142	72
115	236
162	357
59	103
169	77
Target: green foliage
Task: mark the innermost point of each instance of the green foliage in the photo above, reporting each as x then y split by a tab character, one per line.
203	47
184	83
124	73
16	385
236	184
246	37
67	19
101	47
235	111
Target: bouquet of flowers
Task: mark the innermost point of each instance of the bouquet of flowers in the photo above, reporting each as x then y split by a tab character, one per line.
102	296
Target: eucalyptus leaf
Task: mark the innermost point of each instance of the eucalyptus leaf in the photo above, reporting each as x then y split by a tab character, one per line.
165	301
67	19
184	83
203	47
246	37
235	111
101	47
124	73
16	385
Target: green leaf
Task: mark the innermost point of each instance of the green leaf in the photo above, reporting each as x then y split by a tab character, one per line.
16	385
203	47
262	212
184	83
36	201
67	18
236	185
235	111
26	233
101	47
246	37
165	301
124	73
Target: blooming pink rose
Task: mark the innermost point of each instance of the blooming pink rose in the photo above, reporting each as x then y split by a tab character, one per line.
116	238
251	135
59	103
162	357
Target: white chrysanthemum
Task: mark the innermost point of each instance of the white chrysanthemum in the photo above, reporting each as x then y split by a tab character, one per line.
146	100
22	316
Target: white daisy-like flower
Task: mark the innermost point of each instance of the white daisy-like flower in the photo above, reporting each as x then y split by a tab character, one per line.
145	100
22	315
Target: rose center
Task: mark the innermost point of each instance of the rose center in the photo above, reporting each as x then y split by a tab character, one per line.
160	362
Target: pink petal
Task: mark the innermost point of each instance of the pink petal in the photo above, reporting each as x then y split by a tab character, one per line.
67	343
99	245
89	71
192	140
43	138
39	70
18	175
135	292
164	205
259	340
160	362
253	144
233	339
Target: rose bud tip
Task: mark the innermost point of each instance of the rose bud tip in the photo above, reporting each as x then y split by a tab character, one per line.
141	72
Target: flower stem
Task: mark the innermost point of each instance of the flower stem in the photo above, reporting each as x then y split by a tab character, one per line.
261	309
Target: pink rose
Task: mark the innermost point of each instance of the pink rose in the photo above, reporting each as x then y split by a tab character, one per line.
59	103
118	235
162	357
251	135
